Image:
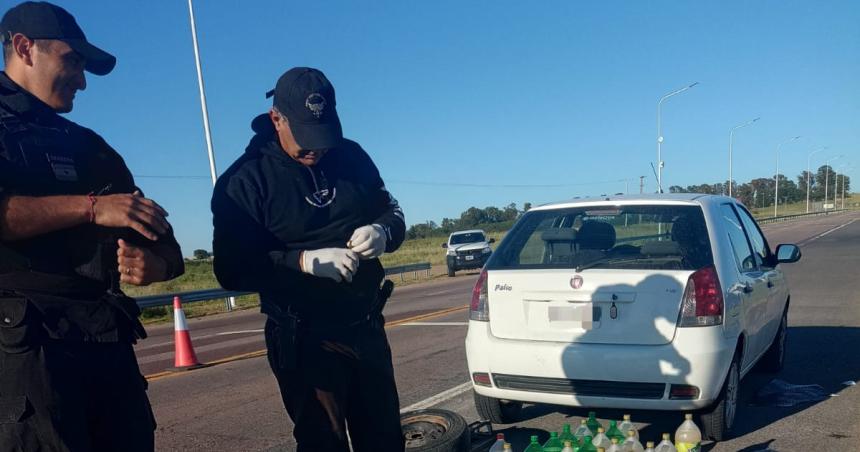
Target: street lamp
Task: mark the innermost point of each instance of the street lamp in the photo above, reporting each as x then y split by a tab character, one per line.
827	177
731	140
776	181
808	173
845	168
660	134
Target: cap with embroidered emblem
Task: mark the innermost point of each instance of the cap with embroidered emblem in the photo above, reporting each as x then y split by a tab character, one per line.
306	97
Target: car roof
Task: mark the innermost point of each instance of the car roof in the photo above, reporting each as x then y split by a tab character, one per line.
640	199
470	231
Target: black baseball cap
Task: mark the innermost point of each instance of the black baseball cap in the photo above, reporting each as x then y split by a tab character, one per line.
306	97
43	20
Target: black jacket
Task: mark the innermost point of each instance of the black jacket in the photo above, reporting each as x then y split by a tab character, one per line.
66	273
265	214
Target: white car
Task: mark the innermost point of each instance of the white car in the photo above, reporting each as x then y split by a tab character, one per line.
660	302
467	249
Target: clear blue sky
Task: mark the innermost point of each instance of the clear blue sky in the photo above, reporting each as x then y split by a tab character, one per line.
444	94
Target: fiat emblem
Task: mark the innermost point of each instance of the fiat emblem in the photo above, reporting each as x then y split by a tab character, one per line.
576	282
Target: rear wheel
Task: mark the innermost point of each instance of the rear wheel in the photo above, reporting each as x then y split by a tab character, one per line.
497	411
451	271
774	358
718	420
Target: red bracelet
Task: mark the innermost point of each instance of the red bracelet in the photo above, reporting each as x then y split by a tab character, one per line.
93	200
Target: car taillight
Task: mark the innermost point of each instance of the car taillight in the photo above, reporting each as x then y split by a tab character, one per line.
702	304
478	309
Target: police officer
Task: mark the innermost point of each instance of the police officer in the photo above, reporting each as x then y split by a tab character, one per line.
301	218
72	227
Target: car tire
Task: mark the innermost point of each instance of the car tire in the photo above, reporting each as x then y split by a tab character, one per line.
451	271
434	430
774	358
718	420
497	411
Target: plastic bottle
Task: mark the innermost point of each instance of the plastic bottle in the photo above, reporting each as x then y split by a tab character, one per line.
649	446
566	435
614	432
601	440
626	425
534	446
688	437
631	444
499	445
553	444
666	445
614	447
568	446
592	423
582	431
587	444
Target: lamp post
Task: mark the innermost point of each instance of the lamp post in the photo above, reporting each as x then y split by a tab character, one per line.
660	134
776	178
845	168
826	178
731	140
808	173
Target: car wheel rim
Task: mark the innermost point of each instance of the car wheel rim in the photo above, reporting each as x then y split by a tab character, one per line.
731	396
418	431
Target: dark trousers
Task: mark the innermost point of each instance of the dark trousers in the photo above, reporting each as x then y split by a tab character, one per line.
73	396
338	385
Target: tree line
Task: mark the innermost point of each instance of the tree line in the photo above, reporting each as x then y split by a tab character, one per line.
760	192
489	219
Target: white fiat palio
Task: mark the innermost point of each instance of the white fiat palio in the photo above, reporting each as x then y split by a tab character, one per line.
655	302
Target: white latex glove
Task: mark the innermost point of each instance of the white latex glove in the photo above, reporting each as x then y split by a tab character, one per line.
368	241
338	264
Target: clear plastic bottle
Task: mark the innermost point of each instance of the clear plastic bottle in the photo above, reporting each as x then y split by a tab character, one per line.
649	446
614	432
534	445
614	447
688	437
592	423
568	446
587	444
601	440
553	444
499	445
666	445
582	431
626	425
632	444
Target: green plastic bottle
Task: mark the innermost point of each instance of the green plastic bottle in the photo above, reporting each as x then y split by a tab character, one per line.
553	444
566	435
614	432
587	445
534	446
592	423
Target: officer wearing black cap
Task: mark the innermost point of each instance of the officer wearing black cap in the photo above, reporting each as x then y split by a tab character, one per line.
302	218
73	225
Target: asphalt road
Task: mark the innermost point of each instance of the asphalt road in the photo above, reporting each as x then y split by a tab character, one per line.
236	405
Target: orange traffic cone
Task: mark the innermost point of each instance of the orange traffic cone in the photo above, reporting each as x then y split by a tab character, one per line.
185	357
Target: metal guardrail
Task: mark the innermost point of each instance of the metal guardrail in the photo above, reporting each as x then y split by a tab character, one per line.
799	215
152	301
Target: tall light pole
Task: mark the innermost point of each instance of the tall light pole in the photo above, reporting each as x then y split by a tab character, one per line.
776	178
827	177
660	134
845	168
731	140
808	173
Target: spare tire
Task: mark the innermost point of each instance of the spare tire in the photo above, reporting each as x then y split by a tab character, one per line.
434	430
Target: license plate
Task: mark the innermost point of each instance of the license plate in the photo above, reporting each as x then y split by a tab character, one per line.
469	258
582	315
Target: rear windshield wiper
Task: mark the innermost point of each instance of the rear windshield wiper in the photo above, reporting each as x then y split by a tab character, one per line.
619	260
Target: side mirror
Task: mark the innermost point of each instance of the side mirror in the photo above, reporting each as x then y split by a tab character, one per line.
787	254
444	245
492	241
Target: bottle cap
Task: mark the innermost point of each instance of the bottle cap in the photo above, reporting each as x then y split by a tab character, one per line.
614	440
582	422
568	444
665	436
500	436
688	417
626	417
649	444
534	438
631	433
553	434
600	430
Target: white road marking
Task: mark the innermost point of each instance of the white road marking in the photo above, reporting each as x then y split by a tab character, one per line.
834	229
439	398
238	332
435	324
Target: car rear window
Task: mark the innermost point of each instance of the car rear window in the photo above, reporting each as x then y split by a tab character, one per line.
626	237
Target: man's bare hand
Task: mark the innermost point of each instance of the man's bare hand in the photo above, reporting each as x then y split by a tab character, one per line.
139	266
132	211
